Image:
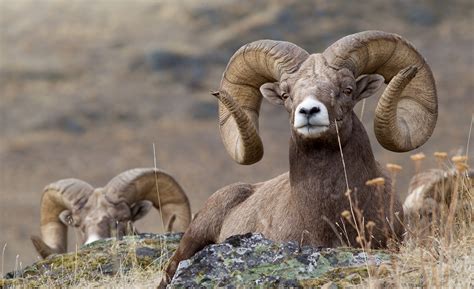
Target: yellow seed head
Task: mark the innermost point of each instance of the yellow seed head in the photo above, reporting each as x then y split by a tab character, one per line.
418	157
394	168
440	155
461	167
346	214
459	159
375	182
359	240
370	225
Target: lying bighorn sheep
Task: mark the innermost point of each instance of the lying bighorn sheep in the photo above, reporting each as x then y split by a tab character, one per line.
317	90
429	197
95	213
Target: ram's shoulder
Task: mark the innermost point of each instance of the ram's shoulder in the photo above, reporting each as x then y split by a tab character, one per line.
231	195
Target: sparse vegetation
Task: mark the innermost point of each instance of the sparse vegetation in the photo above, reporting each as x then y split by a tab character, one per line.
132	261
434	257
72	72
440	254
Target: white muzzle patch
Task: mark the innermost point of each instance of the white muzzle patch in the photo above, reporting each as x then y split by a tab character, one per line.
311	118
92	238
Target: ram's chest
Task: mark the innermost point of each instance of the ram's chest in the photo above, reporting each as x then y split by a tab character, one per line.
274	226
282	228
290	227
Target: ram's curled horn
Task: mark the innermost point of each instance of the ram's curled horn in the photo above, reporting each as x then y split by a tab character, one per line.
67	194
406	113
141	184
251	66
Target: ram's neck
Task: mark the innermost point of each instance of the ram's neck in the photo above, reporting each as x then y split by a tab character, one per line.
317	172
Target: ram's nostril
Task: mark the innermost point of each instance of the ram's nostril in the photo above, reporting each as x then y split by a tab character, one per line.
314	110
303	111
311	111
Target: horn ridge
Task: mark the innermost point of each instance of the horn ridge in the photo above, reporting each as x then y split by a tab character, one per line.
251	66
407	111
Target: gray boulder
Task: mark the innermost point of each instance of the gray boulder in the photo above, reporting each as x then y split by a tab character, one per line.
252	260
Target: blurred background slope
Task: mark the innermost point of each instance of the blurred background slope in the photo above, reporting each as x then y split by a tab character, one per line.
87	88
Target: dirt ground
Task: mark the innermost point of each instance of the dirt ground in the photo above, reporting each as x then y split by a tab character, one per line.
87	88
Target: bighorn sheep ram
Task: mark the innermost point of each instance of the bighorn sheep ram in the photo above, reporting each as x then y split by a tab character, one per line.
318	91
96	213
429	197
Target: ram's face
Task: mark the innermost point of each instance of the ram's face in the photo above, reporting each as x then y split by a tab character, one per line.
99	218
317	95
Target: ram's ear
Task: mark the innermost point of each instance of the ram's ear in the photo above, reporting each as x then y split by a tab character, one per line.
368	85
66	218
140	209
272	92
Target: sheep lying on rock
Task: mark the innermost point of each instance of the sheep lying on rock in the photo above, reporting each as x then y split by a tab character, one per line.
319	91
98	213
430	197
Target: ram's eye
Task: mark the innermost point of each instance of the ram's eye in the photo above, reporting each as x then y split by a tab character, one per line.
73	222
69	220
347	91
285	95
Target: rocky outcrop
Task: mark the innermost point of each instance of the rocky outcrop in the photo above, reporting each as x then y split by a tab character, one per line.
98	260
252	260
243	260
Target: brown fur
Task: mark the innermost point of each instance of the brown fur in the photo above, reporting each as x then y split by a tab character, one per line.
429	198
313	192
109	211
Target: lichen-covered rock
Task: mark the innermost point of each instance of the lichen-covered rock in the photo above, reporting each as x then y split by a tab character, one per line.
245	260
252	260
108	257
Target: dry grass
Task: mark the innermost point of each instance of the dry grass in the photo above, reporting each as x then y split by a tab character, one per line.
441	265
438	247
437	250
442	254
100	265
